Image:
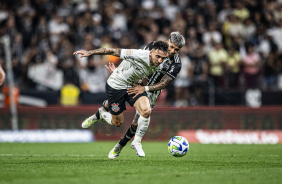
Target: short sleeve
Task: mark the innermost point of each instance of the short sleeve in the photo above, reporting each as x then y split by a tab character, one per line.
135	55
174	70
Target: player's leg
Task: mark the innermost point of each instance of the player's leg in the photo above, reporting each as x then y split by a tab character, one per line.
131	130
144	108
135	121
115	105
88	122
104	114
114	153
113	118
153	97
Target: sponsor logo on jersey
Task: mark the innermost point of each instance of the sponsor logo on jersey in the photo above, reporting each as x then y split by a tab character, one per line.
115	107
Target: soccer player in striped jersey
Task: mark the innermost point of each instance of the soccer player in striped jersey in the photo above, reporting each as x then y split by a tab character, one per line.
169	69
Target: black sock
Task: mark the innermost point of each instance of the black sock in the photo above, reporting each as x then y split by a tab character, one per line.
107	109
127	137
98	115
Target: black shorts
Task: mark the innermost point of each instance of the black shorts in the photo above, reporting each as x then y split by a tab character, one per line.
117	99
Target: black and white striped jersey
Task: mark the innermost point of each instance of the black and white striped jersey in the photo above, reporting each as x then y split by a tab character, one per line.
170	67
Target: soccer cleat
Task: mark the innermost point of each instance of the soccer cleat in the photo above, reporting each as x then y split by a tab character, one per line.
138	148
88	122
114	153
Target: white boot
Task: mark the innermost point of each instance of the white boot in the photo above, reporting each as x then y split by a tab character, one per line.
114	153
143	124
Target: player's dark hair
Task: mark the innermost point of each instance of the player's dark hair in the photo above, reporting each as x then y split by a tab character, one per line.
160	45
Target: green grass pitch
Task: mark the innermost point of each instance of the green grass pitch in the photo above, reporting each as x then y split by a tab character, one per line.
36	163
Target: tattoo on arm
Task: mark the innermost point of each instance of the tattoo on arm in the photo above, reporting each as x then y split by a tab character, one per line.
105	51
162	84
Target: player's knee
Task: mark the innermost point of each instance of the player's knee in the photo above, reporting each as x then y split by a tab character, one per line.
146	112
117	123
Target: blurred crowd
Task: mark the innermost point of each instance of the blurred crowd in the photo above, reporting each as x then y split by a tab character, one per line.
233	45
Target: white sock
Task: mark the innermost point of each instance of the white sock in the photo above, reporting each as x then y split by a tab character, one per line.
143	124
109	117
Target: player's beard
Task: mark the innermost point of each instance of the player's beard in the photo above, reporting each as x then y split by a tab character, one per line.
155	64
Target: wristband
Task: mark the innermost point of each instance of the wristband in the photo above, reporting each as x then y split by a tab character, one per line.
147	88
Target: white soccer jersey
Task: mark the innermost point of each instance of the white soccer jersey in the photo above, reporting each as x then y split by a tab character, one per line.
135	66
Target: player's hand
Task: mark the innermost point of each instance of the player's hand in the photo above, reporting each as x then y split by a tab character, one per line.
111	67
137	90
83	53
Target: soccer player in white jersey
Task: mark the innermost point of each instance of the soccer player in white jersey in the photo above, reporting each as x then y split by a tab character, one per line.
136	65
156	82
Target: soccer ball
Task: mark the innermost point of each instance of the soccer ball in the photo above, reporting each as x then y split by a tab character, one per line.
178	146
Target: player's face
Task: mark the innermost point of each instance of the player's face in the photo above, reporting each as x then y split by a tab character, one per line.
157	57
172	48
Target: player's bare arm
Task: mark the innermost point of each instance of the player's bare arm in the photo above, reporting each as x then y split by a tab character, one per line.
137	89
2	75
162	84
100	51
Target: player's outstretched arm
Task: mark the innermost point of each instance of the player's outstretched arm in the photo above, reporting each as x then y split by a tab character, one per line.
2	75
137	89
101	51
